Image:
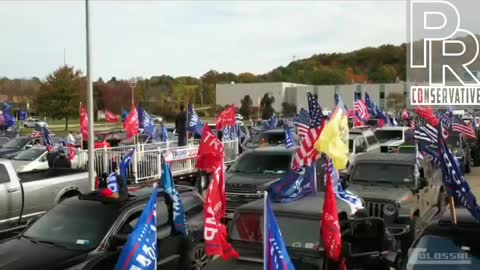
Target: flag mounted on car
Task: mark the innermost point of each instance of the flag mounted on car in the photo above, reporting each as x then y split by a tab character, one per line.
302	121
125	163
294	185
270	123
289	142
140	251
226	118
47	136
314	110
110	117
275	255
131	124
179	220
330	226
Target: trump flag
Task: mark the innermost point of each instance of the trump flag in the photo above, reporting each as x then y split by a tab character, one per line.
140	251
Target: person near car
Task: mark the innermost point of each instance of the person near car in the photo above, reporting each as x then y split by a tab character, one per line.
181	126
61	160
70	138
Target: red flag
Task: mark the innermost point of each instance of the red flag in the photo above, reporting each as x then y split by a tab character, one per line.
83	122
427	114
330	226
71	152
210	152
226	118
211	159
111	117
131	122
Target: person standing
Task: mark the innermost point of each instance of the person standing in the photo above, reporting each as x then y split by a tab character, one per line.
181	126
70	139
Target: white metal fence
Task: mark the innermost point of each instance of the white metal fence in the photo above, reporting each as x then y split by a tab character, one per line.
147	158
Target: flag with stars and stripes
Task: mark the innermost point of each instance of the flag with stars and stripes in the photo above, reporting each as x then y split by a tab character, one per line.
315	111
361	110
459	125
307	154
302	121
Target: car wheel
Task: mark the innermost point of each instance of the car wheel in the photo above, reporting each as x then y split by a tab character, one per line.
199	257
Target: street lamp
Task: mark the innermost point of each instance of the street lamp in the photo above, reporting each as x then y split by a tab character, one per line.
133	83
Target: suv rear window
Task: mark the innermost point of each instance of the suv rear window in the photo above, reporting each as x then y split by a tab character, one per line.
384	135
262	163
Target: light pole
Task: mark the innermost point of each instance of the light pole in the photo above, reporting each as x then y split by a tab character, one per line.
91	169
133	83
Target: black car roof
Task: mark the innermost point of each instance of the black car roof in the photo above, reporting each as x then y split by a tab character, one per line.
406	158
308	206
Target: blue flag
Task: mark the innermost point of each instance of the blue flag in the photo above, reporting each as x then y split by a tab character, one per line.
23	115
289	143
9	119
141	116
179	221
125	163
140	251
353	200
275	255
163	133
270	123
294	185
112	182
148	125
195	125
47	136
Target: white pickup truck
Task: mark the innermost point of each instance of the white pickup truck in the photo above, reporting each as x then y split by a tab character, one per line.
25	196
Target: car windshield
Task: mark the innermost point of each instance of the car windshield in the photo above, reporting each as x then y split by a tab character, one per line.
453	141
82	231
248	227
397	174
16	143
457	251
29	155
384	135
271	138
262	163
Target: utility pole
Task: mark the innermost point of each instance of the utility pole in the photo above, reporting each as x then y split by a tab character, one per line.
91	157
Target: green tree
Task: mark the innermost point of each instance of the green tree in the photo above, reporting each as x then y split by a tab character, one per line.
266	106
246	106
60	95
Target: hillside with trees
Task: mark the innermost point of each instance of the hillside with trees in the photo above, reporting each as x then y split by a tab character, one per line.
163	94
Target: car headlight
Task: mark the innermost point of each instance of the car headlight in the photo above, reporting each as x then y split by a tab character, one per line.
389	209
458	152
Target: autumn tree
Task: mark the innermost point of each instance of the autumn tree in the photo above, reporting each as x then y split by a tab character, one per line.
246	106
266	106
59	95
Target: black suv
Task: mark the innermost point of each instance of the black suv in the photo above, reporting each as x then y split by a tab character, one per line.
89	234
444	245
365	241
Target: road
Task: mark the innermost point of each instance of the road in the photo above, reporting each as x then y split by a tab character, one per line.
473	179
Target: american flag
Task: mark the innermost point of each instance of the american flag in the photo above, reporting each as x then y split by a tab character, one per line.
445	118
371	105
361	110
315	111
307	154
302	120
460	126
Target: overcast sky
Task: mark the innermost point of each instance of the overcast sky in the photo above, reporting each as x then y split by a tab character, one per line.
145	38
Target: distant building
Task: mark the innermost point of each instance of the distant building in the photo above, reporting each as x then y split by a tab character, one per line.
295	94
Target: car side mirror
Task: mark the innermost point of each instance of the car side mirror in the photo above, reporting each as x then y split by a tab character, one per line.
118	240
422	182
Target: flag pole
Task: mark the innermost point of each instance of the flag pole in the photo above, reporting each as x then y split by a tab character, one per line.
453	212
91	169
265	230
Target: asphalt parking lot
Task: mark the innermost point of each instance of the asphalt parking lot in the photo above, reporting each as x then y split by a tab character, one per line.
473	179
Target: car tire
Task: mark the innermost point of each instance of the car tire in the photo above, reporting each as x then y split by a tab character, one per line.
198	257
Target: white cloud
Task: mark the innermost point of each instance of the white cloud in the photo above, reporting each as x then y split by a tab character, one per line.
188	38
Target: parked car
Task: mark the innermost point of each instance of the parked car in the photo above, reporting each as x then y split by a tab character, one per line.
88	235
18	144
29	195
391	137
272	137
31	122
109	139
35	159
140	138
361	140
460	147
299	223
394	191
448	246
254	171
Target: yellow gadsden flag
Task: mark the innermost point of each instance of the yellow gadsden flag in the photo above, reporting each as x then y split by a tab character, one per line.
334	139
